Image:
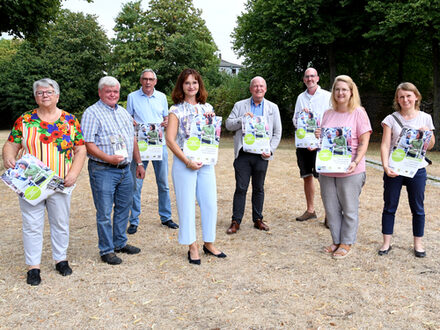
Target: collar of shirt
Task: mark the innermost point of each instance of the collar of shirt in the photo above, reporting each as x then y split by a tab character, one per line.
257	109
107	106
152	95
316	92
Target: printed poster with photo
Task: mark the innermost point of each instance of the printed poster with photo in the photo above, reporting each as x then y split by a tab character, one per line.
306	124
409	153
334	155
203	140
33	181
255	135
150	141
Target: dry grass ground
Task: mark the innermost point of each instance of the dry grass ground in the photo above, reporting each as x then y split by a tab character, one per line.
276	279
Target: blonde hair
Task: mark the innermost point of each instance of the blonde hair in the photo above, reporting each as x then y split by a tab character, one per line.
355	100
409	87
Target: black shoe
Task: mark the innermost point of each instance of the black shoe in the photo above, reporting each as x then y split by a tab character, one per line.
384	252
419	254
193	261
63	268
132	229
111	259
220	255
33	277
170	224
129	249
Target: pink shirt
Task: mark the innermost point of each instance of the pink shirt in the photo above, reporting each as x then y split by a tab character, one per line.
358	122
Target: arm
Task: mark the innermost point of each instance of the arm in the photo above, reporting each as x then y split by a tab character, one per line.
276	131
233	123
173	124
432	141
10	151
385	151
140	170
79	156
364	139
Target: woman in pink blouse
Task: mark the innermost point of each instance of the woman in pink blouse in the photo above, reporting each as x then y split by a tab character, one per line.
340	191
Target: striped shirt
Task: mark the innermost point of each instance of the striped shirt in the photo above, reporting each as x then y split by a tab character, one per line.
51	142
102	123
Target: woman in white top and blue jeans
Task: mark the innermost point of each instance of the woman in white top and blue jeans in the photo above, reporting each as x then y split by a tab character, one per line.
407	105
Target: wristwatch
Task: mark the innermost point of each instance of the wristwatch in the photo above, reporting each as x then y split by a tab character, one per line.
140	164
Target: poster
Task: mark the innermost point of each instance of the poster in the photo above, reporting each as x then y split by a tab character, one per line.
306	124
256	138
33	181
334	155
408	155
150	141
204	138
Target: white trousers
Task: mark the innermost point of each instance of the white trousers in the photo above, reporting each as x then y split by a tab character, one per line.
189	184
58	211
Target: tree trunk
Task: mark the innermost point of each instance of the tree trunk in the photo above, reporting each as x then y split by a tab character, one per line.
331	63
436	74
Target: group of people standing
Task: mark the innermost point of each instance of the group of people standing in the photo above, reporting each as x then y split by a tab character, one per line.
116	170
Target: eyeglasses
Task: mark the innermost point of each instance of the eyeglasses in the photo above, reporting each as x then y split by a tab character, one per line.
148	79
48	93
310	76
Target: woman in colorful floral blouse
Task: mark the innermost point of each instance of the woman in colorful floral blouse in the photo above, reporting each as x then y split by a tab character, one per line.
54	137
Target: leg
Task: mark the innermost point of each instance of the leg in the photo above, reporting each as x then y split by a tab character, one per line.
103	181
33	227
391	196
184	181
58	212
349	189
306	164
163	190
416	197
259	169
243	170
309	189
206	192
333	208
136	205
123	200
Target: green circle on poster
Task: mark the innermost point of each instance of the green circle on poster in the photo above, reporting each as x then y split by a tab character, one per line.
143	145
32	193
398	155
249	139
325	155
193	143
300	133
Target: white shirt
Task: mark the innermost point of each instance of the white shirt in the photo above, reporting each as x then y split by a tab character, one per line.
318	103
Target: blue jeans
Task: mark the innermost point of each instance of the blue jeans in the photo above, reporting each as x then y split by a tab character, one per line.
416	195
163	190
112	189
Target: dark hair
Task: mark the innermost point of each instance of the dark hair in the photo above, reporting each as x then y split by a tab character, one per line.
178	95
339	130
153	127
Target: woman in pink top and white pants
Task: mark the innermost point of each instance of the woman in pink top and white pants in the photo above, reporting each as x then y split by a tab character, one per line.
340	191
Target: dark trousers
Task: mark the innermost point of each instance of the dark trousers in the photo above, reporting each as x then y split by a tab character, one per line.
249	165
416	195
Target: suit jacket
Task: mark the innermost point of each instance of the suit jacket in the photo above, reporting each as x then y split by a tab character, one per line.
271	114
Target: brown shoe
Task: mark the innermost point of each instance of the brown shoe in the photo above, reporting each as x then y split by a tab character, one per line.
259	224
233	228
306	216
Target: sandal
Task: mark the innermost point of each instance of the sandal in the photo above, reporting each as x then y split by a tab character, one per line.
342	251
330	249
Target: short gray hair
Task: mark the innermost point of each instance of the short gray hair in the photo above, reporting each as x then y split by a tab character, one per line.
46	82
148	70
257	77
108	81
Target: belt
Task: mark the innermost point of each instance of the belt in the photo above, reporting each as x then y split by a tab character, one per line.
121	166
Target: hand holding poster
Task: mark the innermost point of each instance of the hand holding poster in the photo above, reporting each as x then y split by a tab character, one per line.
150	141
307	122
204	138
409	153
334	156
33	181
255	135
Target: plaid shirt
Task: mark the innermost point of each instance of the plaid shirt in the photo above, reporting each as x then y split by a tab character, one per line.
100	122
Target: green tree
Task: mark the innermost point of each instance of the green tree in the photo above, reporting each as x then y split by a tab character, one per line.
73	51
167	37
26	18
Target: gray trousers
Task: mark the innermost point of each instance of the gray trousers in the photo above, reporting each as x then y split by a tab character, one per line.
341	202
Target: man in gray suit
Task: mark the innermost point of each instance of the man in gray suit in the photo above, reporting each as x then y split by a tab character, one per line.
247	165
